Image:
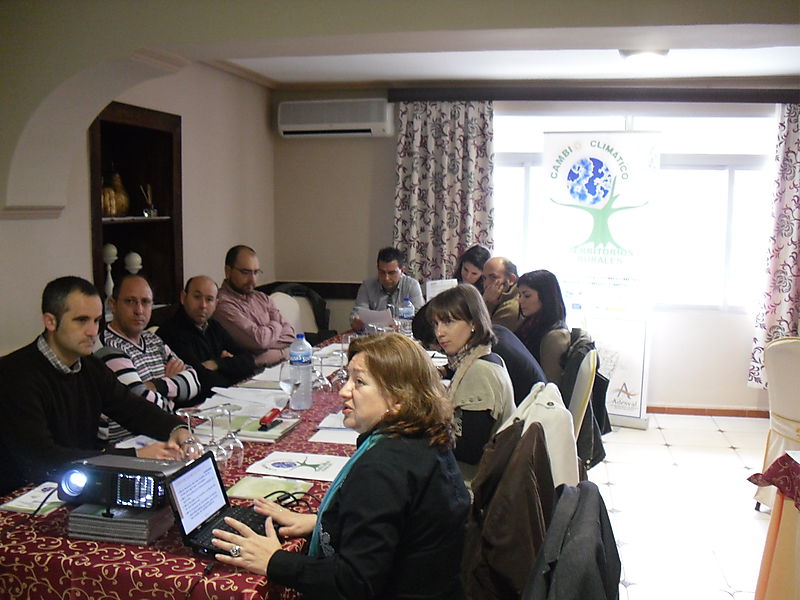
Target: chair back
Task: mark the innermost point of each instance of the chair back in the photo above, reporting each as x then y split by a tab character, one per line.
307	321
582	392
290	309
782	368
782	365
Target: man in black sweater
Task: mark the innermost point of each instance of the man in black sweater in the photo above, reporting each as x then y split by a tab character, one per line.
55	390
202	342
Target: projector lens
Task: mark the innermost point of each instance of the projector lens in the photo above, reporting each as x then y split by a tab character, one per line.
73	482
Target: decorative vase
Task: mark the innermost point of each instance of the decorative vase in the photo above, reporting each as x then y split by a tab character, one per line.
121	200
107	202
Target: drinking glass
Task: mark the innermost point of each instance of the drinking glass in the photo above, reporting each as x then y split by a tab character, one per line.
319	382
232	445
339	377
289	381
191	448
212	445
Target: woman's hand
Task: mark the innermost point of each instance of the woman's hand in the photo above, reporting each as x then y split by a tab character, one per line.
252	551
291	524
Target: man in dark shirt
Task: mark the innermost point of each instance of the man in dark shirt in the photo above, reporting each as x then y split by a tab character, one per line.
202	342
55	390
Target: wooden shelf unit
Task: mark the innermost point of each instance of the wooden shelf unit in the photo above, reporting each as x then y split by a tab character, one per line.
144	147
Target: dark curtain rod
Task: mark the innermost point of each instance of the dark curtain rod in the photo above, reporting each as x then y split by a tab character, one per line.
596	94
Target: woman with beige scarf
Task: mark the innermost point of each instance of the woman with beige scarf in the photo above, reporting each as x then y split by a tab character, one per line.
480	388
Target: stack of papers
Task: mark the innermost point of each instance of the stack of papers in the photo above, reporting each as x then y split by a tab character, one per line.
332	430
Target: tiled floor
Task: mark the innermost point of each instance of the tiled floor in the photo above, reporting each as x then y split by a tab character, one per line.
681	506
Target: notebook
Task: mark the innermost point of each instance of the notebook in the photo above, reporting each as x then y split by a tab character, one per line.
200	504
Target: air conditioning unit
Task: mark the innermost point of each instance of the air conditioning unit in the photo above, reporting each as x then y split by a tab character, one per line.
316	118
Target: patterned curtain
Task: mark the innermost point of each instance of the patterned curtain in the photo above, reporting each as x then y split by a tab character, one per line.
443	199
779	314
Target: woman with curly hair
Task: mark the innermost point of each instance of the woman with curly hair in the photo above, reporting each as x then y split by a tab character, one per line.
392	523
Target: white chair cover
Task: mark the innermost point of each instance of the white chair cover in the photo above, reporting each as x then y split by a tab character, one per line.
782	367
582	392
290	309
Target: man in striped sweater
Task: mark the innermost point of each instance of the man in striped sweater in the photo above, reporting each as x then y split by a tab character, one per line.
139	358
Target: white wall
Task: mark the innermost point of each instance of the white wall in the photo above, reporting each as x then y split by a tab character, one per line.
700	359
227	194
228	177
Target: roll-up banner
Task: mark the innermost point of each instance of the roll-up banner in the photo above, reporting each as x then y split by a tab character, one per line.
598	186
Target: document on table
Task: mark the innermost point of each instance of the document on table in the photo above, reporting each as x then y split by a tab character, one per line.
258	487
252	402
139	441
272	373
30	500
331	430
439	359
437	286
794	454
299	465
379	318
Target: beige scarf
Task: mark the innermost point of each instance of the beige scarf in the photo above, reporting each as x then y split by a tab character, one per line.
464	362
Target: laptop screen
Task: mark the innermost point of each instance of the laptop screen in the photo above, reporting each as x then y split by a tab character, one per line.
197	493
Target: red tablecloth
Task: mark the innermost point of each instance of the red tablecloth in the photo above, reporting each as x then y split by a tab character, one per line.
39	562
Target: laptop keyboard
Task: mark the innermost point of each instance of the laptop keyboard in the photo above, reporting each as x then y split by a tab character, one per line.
243	514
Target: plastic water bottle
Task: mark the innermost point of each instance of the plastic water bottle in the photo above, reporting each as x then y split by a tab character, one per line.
300	360
405	314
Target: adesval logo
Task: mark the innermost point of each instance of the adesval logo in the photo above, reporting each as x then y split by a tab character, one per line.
592	187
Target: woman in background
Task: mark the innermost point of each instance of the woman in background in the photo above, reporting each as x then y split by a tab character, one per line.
544	330
392	522
470	266
480	387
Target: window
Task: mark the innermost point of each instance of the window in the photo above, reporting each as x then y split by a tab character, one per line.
708	246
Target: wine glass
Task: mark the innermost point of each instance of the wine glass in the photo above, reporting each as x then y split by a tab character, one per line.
319	383
212	445
289	381
191	448
232	445
339	376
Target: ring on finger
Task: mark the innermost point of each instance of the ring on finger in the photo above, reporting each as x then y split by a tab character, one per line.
236	551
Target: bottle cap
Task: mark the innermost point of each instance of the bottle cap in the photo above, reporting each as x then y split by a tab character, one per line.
406	299
301	336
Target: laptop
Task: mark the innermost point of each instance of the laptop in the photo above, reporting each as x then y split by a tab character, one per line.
200	504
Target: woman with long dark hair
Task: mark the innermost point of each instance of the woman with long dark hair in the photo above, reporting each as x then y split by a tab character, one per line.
544	330
392	523
470	266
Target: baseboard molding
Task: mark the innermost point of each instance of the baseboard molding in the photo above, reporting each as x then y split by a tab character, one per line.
715	412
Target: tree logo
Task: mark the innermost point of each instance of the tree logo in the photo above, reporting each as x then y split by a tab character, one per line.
591	186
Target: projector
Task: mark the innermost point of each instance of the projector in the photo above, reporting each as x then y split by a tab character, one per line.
116	480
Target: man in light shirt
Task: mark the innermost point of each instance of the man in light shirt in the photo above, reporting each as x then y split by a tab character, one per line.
252	319
388	289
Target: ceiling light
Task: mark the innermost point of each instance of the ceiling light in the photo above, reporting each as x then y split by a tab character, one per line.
626	54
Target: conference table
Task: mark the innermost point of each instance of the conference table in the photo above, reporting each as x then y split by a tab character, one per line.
39	561
779	576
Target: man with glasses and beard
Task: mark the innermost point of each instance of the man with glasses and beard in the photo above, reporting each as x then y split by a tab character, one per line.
252	319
